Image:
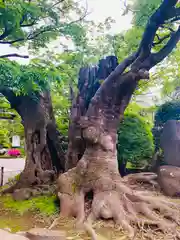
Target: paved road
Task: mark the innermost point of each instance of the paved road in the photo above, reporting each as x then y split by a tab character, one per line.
11	167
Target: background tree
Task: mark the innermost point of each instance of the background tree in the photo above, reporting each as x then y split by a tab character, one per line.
34	24
27	90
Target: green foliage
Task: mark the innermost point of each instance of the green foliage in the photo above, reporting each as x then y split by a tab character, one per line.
167	73
61	105
143	9
37	22
44	205
135	140
167	111
24	79
8	128
170	75
145	112
4	140
127	42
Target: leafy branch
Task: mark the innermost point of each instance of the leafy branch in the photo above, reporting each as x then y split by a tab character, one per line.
14	55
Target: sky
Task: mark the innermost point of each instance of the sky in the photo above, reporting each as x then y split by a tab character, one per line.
101	9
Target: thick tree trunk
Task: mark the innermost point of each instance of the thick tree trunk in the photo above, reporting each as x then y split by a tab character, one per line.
44	154
88	84
97	170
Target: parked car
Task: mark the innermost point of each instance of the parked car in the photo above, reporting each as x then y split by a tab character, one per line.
3	151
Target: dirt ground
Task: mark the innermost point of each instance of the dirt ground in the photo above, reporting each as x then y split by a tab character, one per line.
106	230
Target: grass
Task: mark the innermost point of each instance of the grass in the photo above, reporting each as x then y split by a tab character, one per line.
5	156
45	205
36	212
10	157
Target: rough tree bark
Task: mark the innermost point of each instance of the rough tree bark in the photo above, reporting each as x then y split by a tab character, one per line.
97	170
43	142
88	84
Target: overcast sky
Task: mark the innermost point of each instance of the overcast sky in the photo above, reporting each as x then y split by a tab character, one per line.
101	9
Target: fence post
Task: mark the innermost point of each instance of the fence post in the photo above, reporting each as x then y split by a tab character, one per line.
2	176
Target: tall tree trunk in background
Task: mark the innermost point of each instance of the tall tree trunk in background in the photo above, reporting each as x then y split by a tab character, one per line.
44	153
97	170
88	83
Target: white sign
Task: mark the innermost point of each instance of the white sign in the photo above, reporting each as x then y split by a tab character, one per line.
15	141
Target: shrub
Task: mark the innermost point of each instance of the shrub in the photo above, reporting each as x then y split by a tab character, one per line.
14	152
135	141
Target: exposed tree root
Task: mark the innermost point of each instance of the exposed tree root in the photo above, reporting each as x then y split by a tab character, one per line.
42	179
141	177
142	180
113	199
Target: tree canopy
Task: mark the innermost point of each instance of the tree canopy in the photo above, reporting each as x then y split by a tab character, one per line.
35	23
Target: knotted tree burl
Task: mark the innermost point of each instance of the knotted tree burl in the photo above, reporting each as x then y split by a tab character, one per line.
97	170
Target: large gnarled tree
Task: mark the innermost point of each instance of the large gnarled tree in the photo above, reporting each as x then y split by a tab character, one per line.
97	170
27	90
34	24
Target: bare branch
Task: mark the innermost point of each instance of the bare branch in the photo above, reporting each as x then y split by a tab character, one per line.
155	58
12	41
5	33
58	2
14	55
161	15
127	8
29	37
85	14
29	24
166	50
155	21
32	36
123	65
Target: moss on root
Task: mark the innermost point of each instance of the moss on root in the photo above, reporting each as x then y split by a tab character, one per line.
45	205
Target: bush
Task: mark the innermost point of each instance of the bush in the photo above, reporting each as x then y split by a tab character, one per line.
167	111
135	141
14	152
